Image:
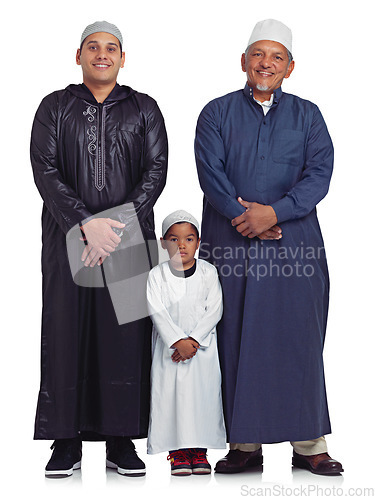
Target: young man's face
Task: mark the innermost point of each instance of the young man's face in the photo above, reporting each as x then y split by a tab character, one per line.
182	242
100	58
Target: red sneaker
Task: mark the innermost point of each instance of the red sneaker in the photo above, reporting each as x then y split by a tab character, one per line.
180	463
198	460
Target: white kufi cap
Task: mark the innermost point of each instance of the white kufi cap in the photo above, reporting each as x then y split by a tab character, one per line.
270	29
178	216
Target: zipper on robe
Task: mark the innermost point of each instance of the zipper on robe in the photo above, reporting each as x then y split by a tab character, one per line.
100	160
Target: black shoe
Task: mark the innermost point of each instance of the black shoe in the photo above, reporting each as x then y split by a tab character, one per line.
66	457
239	461
121	455
321	463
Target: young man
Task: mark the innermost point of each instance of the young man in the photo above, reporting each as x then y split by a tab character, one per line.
265	157
94	146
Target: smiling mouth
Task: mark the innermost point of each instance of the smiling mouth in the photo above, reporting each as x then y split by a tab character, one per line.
264	73
101	65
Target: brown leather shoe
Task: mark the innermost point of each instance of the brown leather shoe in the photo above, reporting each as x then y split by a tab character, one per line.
318	464
239	461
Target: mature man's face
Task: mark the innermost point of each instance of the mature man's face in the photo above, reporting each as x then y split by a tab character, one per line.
266	64
100	58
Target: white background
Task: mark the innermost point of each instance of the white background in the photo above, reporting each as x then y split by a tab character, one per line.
184	54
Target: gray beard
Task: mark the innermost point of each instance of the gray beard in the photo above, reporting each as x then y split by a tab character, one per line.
262	88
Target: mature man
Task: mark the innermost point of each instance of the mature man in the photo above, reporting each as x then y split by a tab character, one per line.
265	157
94	146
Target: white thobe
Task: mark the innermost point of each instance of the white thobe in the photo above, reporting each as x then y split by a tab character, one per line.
186	408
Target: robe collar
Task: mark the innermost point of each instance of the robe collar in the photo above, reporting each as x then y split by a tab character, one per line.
118	93
183	274
248	91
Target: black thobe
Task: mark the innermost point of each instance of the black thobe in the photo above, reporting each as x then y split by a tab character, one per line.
88	157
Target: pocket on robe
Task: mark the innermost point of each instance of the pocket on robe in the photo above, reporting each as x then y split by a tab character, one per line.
289	147
129	141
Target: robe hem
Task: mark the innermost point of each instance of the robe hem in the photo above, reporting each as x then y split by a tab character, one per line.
67	434
270	438
200	445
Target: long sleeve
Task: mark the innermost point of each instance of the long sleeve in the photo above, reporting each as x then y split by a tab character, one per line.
213	313
210	160
155	160
60	199
165	326
316	176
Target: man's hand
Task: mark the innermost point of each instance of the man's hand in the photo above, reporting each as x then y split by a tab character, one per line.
101	240
274	233
184	349
255	220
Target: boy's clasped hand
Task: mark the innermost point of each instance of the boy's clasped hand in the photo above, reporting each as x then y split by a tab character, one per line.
184	349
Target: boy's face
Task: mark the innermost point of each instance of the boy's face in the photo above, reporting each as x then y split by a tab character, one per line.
182	242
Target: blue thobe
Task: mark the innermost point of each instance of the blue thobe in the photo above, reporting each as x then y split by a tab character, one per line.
275	292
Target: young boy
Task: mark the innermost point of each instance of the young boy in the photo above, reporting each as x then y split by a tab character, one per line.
185	303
